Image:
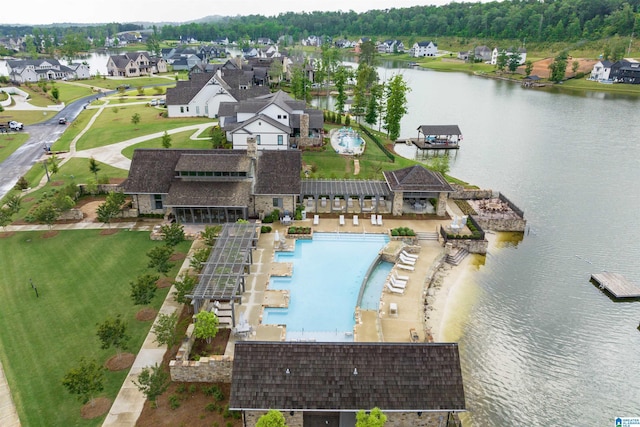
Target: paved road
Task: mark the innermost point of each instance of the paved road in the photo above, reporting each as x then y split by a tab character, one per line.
41	135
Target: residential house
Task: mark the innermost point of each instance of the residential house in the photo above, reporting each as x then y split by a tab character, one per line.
275	120
322	383
625	71
482	54
311	41
358	46
35	70
391	46
266	41
186	62
509	52
213	186
343	44
135	64
601	71
202	94
423	48
463	55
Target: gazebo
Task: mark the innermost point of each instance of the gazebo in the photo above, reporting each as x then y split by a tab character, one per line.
416	185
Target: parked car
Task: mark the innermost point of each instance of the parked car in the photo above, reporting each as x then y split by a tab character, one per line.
62	121
153	102
162	101
13	125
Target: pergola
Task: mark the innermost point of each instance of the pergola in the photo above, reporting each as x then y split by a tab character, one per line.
345	189
223	275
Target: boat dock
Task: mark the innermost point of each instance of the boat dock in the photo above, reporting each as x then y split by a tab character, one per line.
617	285
436	144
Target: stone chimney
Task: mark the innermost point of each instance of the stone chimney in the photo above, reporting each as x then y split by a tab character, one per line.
252	148
304	125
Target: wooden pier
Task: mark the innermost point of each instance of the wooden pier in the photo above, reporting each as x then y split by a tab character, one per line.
440	144
617	285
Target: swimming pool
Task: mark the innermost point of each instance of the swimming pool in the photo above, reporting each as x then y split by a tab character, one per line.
324	287
347	141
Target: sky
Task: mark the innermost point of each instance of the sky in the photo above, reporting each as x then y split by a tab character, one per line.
42	12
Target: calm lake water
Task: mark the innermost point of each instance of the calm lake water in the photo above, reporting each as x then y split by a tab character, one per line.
540	344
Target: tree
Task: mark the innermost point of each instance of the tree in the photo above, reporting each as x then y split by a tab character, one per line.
135	119
46	213
54	164
210	234
396	95
275	72
165	329
143	289
94	167
272	418
113	333
184	287
172	233
206	326
574	66
63	202
55	92
367	52
373	419
111	207
6	216
13	203
22	184
440	164
513	61
501	61
218	137
166	140
340	79
373	106
558	68
85	380
159	258
528	68
152	382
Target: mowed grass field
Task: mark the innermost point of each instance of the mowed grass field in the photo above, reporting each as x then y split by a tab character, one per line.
83	278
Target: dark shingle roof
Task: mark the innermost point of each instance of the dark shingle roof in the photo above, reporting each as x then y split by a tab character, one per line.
278	172
207	193
416	179
347	376
185	91
151	171
440	130
217	161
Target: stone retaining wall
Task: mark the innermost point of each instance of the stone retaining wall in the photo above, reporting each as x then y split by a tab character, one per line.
518	224
462	193
472	246
212	369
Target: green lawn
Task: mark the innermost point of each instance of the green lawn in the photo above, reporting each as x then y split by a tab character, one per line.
82	279
178	141
28	117
114	125
10	142
70	92
133	82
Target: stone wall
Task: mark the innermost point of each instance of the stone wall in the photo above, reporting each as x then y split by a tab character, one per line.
213	369
462	193
472	246
264	205
71	214
441	208
508	224
306	141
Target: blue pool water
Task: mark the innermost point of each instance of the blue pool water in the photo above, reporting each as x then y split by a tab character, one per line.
324	287
350	141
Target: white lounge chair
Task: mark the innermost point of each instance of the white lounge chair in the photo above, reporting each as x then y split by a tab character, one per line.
316	219
373	220
397	276
337	203
408	255
406	260
405	267
355	220
323	202
341	219
310	202
394	290
379	219
396	284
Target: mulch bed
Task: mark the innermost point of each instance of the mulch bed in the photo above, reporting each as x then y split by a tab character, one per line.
108	231
216	347
178	256
49	234
6	234
56	183
163	282
146	314
99	406
118	363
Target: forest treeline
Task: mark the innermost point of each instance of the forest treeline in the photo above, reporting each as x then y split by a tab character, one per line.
533	20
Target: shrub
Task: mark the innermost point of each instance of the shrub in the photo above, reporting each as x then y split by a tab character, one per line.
22	184
181	388
394	232
211	407
174	401
265	229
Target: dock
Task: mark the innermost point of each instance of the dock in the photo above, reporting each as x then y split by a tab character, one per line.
616	284
436	144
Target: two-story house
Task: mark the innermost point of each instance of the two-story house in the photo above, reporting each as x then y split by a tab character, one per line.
601	71
135	64
522	52
625	71
424	48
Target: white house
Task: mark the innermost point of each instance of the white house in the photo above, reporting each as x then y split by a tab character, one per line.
425	48
269	134
601	71
80	71
34	70
520	51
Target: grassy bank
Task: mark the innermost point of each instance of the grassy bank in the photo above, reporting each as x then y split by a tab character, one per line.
82	279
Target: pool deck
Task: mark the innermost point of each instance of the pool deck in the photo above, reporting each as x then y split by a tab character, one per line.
371	326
